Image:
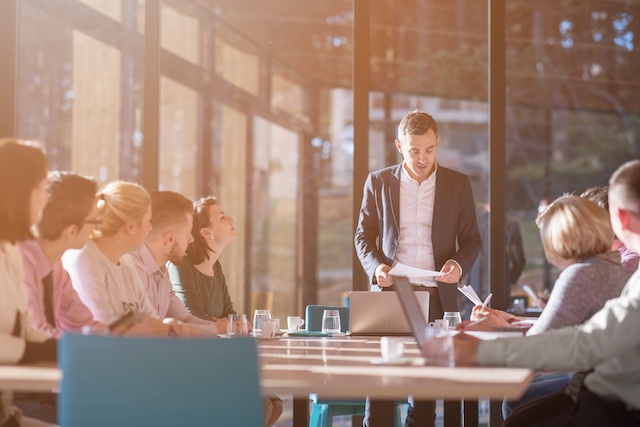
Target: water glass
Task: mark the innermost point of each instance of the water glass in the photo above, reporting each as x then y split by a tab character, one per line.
260	316
331	321
438	347
232	324
452	319
243	327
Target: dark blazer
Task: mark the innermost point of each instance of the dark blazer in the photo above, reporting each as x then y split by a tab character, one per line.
454	233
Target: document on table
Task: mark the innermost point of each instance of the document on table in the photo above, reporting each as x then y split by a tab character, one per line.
404	270
468	292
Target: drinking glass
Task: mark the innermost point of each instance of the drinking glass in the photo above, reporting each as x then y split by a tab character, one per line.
452	319
243	331
331	321
438	347
232	324
260	316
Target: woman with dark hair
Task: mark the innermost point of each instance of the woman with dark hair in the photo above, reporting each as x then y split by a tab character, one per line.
23	195
199	281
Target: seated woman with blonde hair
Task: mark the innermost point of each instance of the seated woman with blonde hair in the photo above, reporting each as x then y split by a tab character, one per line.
577	238
102	272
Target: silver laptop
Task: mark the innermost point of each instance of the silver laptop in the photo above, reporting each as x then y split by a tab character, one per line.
412	308
380	313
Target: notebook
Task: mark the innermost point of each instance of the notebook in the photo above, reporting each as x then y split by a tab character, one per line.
380	313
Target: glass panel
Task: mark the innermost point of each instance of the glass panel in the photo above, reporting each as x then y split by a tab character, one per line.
140	16
237	66
229	183
292	55
274	219
111	8
287	96
178	137
572	109
432	56
80	91
180	34
96	71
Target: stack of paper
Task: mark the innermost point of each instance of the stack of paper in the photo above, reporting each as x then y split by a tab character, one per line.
404	270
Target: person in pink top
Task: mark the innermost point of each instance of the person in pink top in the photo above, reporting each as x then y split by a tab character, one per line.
171	219
66	223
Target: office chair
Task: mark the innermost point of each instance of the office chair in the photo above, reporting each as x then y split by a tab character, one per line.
124	381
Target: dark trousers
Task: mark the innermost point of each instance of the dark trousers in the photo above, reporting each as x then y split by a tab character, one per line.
42	406
592	410
559	409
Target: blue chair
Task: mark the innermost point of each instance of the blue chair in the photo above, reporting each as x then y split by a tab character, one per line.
122	381
313	317
323	410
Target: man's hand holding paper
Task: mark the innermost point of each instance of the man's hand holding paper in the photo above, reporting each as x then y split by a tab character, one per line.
404	270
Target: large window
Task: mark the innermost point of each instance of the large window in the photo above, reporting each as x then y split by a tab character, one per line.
256	106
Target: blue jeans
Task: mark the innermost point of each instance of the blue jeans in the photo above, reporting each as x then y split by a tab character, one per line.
542	385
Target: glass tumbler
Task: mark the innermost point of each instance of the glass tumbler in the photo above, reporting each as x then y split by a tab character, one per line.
331	321
452	319
260	316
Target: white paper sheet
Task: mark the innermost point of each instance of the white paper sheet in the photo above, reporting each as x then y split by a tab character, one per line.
404	270
468	292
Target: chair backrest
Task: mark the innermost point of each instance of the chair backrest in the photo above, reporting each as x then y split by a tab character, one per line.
313	317
123	381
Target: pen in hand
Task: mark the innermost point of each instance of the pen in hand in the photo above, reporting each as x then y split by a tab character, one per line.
475	322
486	301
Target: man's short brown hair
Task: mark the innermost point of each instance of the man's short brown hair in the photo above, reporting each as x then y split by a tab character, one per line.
168	209
416	123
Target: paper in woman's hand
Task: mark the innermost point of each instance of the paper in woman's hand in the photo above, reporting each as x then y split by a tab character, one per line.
406	271
468	292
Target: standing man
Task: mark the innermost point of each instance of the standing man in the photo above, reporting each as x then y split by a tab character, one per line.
607	346
171	219
420	214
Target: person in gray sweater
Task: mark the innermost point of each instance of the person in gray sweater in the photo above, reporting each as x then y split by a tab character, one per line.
576	236
607	346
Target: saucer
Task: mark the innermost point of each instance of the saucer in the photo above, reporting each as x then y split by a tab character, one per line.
381	361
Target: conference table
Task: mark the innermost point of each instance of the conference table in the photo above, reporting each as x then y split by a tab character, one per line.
348	368
338	368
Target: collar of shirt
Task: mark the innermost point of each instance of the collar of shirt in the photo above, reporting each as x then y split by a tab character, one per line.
33	250
405	174
150	264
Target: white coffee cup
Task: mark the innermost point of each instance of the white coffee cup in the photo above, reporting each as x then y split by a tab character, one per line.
270	327
439	324
294	322
391	349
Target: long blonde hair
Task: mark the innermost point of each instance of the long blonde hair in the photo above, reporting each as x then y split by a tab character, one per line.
120	201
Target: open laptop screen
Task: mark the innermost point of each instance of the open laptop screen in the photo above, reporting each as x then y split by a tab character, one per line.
411	308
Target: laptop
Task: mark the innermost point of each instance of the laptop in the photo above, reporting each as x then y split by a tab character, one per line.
411	308
380	313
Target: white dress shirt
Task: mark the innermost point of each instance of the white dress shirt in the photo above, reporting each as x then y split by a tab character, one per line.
415	247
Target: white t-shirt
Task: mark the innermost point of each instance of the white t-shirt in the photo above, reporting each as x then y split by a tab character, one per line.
109	290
